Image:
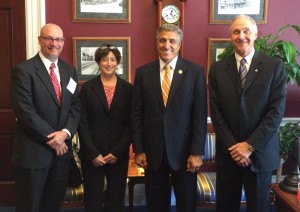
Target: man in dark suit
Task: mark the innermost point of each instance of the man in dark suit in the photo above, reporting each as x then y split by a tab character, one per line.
169	126
47	117
246	112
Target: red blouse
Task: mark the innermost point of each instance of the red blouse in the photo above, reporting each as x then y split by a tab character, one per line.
109	92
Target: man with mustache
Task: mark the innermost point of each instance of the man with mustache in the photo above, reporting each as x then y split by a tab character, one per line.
169	124
247	102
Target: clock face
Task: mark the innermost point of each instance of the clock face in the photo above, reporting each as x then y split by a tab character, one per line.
170	14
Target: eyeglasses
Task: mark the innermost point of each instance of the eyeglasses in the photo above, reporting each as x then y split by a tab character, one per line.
51	39
108	47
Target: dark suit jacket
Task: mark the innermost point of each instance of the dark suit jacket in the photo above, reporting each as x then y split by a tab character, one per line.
104	130
37	111
180	128
251	114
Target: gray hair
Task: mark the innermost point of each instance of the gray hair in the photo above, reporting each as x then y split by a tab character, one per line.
170	28
246	17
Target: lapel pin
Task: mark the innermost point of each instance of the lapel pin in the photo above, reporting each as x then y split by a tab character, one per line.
180	72
256	70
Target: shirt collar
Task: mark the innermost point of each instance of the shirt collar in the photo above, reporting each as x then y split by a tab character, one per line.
172	63
248	57
46	61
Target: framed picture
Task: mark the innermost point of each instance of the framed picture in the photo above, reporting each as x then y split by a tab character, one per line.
101	11
215	47
223	11
84	60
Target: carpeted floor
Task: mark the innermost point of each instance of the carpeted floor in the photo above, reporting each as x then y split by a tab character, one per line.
136	209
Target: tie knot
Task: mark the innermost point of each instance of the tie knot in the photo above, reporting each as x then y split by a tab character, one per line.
243	61
167	69
52	66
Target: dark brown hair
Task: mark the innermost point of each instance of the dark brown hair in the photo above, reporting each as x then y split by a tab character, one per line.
104	50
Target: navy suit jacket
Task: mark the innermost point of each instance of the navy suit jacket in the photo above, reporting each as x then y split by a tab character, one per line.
38	113
251	114
103	129
180	127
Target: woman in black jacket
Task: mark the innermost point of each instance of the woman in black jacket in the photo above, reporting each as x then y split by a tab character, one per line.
104	133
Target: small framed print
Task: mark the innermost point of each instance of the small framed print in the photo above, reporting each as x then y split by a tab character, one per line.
84	60
102	11
224	11
215	47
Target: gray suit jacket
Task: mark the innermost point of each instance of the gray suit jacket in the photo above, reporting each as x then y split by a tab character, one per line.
38	113
251	114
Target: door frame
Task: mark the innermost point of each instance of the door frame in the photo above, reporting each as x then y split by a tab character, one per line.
35	11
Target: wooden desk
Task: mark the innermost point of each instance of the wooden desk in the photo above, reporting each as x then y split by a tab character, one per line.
285	202
135	176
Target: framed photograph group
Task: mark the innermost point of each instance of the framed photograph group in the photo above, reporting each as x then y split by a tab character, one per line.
101	11
84	60
215	47
223	11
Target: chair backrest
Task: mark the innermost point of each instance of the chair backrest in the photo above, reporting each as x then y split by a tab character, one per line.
210	147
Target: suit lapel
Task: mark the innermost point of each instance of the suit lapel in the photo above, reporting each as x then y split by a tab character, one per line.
64	80
254	70
231	69
178	75
119	91
99	89
155	81
45	78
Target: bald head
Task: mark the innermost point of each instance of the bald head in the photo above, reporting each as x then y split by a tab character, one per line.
51	40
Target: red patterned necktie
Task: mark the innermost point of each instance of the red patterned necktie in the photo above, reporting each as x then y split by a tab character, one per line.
166	84
243	71
55	83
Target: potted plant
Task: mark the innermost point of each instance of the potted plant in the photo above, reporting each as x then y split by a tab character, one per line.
272	46
286	51
288	134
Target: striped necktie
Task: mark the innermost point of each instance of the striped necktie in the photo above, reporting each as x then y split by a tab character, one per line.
166	84
243	71
55	83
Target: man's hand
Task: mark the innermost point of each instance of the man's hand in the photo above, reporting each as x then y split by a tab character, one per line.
141	160
240	153
57	139
110	158
61	150
194	162
99	161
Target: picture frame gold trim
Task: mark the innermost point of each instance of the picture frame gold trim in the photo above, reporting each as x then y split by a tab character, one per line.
215	5
105	16
215	47
83	56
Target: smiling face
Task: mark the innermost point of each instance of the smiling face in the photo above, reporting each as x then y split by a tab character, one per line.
108	65
51	48
168	45
243	34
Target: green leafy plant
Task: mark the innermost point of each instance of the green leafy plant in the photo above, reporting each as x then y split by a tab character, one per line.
271	45
288	133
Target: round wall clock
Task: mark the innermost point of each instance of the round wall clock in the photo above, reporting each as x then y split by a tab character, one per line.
171	11
170	14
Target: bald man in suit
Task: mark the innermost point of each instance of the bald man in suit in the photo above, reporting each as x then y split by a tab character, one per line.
246	112
47	118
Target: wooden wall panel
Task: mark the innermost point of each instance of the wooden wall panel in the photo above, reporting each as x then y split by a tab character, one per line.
12	51
6	173
5	55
